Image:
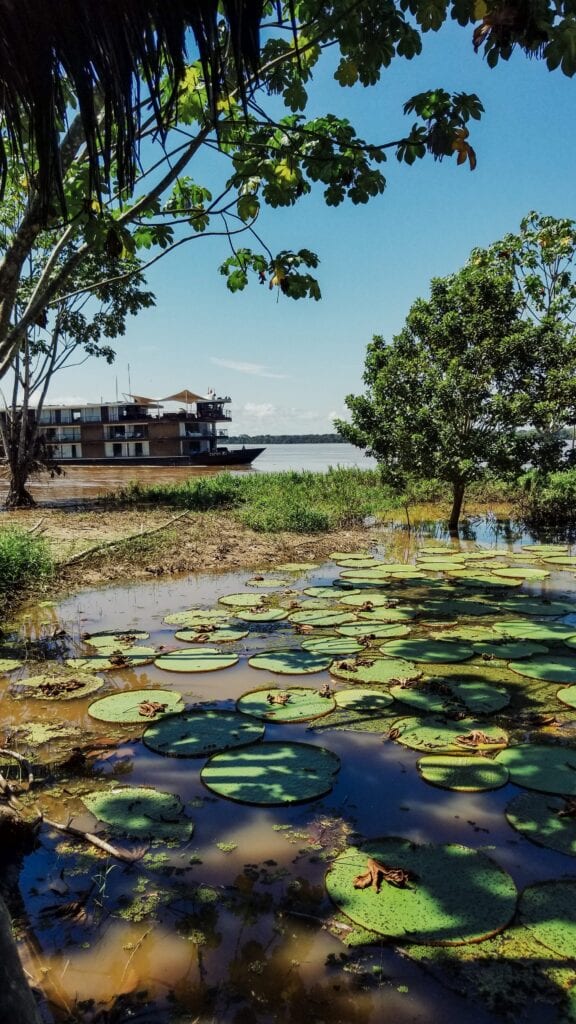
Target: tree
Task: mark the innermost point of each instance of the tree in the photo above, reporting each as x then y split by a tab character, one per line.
455	392
79	328
102	51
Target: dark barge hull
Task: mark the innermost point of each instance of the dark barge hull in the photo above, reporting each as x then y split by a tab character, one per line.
235	457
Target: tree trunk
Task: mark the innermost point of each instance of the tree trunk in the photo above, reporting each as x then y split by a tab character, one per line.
457	500
18	496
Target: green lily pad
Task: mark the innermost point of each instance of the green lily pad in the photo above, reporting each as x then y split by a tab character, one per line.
378	630
304	703
292	661
478	695
271	774
361	699
242	600
521	572
533	606
9	664
374	670
554	668
439	565
262	615
113	640
548	910
200	659
374	574
449	607
333	593
297	566
439	734
455	894
389	615
335	556
546	768
541	818
436	651
127	657
423	698
463	774
269	581
222	635
549	549
482	580
322	617
197	616
479	556
568	696
562	561
365	596
467	633
335	646
126	706
358	563
201	733
65	686
524	629
570	641
510	651
141	813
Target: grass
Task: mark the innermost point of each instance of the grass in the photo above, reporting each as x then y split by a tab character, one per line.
24	560
300	502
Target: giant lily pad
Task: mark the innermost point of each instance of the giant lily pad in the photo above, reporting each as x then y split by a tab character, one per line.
447	608
262	614
511	650
132	706
377	630
271	774
322	617
547	769
292	661
424	698
463	774
388	615
199	733
548	910
436	651
200	659
362	700
141	813
337	556
335	646
114	640
267	581
374	670
467	633
554	668
525	605
365	562
544	819
333	592
453	894
64	686
524	629
365	596
295	704
216	635
440	565
241	600
521	572
438	734
568	695
478	695
196	616
127	657
561	561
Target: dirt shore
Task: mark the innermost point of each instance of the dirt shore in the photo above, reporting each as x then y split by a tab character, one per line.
97	546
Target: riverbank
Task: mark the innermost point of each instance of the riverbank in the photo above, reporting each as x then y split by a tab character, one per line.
96	546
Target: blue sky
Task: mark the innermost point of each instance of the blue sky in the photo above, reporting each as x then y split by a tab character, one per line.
288	365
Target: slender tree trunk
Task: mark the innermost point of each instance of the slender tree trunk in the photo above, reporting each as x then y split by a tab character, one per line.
18	496
457	500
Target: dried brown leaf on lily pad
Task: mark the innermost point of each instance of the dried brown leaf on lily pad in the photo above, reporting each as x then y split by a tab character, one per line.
378	873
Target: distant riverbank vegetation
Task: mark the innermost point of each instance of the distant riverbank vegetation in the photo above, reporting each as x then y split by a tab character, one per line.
287	439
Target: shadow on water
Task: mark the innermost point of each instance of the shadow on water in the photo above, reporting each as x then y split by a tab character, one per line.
235	926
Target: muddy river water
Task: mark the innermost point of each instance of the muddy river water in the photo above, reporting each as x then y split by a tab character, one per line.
233	924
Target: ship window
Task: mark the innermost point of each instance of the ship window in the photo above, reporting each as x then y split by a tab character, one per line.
73	451
116	449
138	448
76	415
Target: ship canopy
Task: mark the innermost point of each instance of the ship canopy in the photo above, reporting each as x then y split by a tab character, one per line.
185	396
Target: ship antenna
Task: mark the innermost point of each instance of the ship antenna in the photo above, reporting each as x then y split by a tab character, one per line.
129	382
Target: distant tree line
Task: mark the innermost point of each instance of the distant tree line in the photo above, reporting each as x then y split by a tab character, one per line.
287	439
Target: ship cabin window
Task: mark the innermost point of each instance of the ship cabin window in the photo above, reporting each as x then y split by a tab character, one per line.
73	451
138	448
116	450
76	416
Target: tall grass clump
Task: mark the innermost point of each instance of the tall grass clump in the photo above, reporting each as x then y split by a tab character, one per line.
300	502
24	560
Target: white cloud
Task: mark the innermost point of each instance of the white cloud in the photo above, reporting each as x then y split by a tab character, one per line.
252	369
262	411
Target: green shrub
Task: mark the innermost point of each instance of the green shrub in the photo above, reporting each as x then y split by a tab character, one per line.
23	560
549	499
